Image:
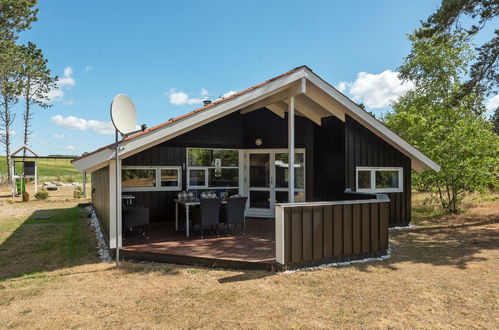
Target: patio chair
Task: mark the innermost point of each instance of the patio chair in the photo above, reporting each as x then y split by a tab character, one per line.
208	214
135	216
233	213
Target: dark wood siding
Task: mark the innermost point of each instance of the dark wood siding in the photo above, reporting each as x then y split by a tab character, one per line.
232	131
364	148
100	197
317	234
329	164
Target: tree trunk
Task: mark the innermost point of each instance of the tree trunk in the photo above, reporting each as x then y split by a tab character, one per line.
7	123
26	128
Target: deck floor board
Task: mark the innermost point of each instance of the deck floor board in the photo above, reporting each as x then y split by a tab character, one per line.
257	245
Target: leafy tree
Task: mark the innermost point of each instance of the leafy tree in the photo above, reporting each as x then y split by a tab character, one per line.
447	20
455	134
15	17
495	121
36	83
10	88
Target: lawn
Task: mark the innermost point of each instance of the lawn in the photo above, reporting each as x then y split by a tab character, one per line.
50	170
442	273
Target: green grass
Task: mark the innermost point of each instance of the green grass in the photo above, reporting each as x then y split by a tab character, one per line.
32	245
49	169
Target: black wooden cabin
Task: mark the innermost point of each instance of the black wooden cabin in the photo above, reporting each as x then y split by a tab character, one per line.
243	145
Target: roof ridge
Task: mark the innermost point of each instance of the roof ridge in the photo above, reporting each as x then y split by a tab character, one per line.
188	114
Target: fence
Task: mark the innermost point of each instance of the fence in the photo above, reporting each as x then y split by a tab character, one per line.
315	233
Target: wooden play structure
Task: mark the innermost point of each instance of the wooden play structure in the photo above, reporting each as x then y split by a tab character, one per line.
28	170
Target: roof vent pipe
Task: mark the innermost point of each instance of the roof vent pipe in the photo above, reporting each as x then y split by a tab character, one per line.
206	102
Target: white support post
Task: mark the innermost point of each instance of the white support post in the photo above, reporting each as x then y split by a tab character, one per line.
291	149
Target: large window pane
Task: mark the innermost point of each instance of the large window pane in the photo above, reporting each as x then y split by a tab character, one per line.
387	179
224	177
282	170
225	158
259	199
199	157
197	178
364	179
134	178
169	178
213	158
259	169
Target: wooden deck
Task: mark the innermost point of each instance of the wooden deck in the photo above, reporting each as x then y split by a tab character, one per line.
255	250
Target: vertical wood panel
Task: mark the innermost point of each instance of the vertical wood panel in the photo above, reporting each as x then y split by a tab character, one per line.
327	213
366	228
347	230
374	227
383	226
307	233
356	229
296	235
287	235
338	230
318	232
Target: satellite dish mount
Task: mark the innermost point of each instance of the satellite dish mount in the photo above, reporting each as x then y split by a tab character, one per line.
124	119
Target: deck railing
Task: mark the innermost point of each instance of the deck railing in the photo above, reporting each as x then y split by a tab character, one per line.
315	233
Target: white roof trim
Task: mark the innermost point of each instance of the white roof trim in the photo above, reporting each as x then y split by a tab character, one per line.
419	160
137	144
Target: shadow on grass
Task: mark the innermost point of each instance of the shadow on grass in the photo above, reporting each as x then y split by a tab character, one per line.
246	276
65	239
442	245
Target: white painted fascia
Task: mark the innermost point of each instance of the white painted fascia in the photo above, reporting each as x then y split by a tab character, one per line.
99	159
419	160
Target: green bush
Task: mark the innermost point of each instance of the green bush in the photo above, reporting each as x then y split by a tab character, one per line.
42	194
70	179
78	192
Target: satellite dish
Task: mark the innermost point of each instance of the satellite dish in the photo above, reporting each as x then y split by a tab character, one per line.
123	114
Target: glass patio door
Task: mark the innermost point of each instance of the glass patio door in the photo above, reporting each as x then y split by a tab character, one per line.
259	182
267	173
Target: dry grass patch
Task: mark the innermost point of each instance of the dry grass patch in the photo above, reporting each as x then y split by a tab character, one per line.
441	274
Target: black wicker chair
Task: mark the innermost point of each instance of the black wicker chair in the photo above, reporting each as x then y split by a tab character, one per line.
208	214
233	212
135	216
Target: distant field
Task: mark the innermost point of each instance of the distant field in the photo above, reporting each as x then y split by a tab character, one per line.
50	169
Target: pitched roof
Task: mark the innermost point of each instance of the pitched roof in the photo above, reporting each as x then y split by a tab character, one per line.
221	107
172	120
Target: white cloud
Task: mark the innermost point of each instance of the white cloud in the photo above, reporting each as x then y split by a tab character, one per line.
80	124
181	98
376	90
67	79
89	68
343	86
492	104
61	136
63	83
71	148
229	93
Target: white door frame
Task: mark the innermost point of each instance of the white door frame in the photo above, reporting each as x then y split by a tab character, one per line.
270	212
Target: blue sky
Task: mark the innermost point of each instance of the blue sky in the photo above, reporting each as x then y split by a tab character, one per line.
169	55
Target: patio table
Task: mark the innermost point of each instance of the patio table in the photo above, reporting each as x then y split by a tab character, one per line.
187	203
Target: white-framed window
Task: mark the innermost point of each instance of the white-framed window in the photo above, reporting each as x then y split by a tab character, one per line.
380	179
212	168
151	178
